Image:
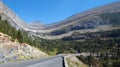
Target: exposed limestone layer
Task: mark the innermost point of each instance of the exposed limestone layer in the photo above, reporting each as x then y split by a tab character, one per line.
100	28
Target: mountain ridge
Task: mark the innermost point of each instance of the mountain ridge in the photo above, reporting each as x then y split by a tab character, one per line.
86	20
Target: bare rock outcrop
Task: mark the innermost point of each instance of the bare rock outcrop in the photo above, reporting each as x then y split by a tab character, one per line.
11	51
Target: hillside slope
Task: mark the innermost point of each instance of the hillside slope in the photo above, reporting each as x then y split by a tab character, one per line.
12	50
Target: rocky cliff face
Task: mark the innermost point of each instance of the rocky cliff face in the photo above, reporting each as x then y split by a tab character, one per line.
8	14
11	50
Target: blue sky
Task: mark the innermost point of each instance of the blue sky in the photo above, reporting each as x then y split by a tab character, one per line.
49	11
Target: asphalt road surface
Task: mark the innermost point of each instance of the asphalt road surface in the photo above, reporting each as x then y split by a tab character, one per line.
56	61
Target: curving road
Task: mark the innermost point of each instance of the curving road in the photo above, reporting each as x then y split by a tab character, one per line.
56	61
